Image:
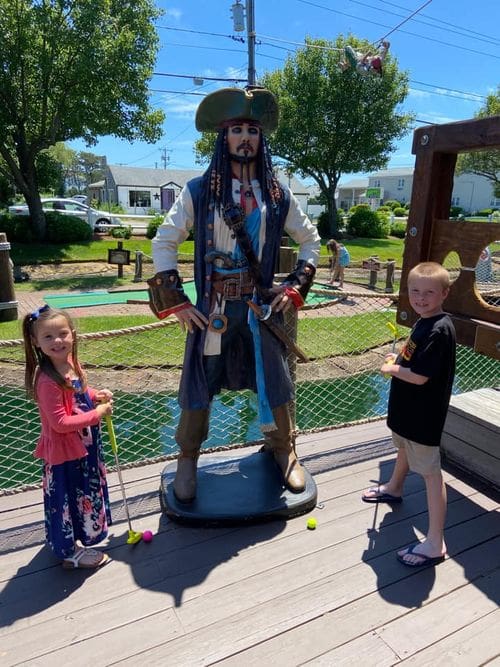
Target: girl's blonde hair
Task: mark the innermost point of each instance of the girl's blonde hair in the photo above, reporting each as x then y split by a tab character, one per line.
36	361
431	270
332	246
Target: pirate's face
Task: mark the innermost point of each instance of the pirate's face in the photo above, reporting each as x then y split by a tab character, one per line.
243	139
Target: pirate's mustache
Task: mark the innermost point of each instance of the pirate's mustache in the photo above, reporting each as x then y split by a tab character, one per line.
245	146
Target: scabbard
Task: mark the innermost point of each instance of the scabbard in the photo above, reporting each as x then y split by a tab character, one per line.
279	332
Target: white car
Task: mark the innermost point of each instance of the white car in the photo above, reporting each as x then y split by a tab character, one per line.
98	220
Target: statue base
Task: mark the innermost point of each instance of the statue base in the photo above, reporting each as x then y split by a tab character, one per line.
233	490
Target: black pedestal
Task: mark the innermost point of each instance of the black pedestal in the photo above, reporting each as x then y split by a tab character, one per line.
236	490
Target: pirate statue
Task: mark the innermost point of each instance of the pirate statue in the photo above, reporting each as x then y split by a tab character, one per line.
238	211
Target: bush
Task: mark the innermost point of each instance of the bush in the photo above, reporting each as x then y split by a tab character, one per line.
398	229
153	226
485	212
323	225
384	209
392	204
455	211
121	232
368	224
66	228
399	212
17	227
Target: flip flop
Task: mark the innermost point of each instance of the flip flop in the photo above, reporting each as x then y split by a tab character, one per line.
426	561
77	561
381	497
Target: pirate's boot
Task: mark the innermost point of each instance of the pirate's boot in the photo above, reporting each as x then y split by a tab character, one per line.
191	432
279	443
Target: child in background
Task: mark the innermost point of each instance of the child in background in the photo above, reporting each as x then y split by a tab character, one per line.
343	260
333	254
422	378
75	492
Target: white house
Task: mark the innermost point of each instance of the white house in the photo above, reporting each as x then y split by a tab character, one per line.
470	191
140	191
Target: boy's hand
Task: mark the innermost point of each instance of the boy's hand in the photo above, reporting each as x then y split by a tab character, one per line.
388	364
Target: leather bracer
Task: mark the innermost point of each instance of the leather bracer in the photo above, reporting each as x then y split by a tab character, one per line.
166	295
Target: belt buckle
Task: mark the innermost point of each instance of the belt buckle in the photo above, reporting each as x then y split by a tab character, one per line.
232	289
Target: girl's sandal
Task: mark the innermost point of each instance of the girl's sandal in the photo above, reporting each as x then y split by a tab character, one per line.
88	559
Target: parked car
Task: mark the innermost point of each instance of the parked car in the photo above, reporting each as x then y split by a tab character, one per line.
100	221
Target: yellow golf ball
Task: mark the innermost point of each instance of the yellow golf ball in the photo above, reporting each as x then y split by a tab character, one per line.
312	523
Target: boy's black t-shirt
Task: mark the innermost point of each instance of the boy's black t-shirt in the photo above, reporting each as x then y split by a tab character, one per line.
418	412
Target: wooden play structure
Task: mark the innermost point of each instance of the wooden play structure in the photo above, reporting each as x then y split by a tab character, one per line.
471	434
431	235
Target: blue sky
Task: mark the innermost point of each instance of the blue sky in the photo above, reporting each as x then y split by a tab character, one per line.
450	49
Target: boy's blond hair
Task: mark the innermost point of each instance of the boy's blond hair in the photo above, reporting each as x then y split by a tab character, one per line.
431	270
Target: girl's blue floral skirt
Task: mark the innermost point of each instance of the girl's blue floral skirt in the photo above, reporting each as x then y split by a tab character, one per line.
76	500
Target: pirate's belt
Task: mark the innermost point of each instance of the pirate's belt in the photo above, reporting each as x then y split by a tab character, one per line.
233	286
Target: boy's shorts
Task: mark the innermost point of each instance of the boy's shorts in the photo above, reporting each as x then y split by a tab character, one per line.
423	459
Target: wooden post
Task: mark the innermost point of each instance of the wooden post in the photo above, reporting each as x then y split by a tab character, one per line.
389	276
8	304
373	272
120	266
138	266
287	261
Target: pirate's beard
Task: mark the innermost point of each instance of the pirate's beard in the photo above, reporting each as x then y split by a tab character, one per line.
244	161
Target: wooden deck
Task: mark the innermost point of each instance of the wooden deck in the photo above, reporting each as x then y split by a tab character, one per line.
270	594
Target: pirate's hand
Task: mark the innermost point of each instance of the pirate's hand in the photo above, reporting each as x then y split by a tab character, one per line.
190	317
285	298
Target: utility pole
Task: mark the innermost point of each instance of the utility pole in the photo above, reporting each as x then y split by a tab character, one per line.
164	157
239	26
250	11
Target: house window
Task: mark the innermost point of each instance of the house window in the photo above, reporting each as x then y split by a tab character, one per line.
376	183
401	183
455	201
139	198
495	203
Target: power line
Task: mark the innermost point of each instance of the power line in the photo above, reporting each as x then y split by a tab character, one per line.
196	76
200	32
461	31
453	25
175	92
405	32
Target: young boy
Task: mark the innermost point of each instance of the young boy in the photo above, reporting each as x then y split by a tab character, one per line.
422	378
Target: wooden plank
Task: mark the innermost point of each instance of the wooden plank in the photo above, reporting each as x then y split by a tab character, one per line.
461	136
327	615
366	650
474	644
487	340
481	406
226	604
408	635
172	570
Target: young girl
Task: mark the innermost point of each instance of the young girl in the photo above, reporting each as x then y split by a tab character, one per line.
75	493
332	248
343	259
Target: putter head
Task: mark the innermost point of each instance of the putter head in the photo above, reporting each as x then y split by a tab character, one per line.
133	537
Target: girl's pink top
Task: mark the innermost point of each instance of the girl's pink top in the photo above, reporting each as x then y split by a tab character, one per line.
61	439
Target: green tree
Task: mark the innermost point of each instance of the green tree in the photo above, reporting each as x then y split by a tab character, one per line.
334	122
484	163
72	69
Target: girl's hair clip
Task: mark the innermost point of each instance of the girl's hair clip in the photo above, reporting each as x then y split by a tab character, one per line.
36	313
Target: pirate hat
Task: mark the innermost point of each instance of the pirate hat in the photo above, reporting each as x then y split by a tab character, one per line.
228	104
